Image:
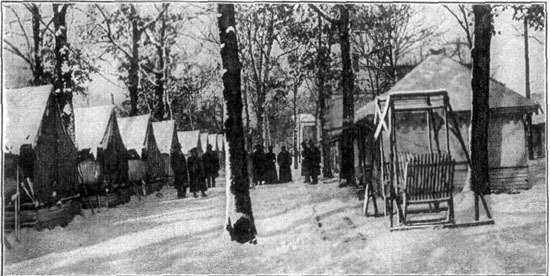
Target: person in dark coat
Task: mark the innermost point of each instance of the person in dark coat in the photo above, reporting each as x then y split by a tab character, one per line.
285	161
258	165
196	173
305	162
211	166
271	169
314	162
179	166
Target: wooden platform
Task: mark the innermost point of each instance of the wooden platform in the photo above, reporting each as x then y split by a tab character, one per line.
107	201
502	179
59	215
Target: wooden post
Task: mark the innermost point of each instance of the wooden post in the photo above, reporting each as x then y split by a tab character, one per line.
428	120
17	203
528	90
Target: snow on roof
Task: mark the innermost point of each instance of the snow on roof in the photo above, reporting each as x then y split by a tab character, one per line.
188	140
213	141
23	112
134	132
91	127
221	142
204	141
164	132
439	72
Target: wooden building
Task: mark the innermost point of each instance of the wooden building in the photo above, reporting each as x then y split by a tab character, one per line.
144	157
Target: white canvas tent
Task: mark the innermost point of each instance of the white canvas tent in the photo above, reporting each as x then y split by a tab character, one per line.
188	140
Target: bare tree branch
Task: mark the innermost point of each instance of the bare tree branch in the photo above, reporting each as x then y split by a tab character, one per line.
110	33
13	49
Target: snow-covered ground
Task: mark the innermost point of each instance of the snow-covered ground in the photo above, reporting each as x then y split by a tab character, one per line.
302	229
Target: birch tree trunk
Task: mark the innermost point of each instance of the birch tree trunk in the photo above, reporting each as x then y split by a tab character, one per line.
239	218
480	99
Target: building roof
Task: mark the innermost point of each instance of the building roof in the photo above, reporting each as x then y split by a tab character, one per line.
91	127
164	134
204	141
439	72
23	110
189	140
134	132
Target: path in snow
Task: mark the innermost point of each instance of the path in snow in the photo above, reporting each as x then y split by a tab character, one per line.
302	229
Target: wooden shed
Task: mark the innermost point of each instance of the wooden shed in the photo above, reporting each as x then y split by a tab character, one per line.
166	137
507	136
37	145
139	140
189	140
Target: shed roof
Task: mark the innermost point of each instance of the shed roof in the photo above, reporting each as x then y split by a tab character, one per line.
204	141
23	112
164	134
134	132
189	140
439	72
91	127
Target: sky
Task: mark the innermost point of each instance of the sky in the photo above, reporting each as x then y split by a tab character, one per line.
507	55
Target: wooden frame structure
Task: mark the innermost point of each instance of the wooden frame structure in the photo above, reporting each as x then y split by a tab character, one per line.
417	179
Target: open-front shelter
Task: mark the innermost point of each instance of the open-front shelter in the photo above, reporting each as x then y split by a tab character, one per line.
189	140
167	138
204	141
102	154
139	140
36	141
40	155
507	136
212	140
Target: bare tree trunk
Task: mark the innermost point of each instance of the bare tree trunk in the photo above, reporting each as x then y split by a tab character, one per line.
346	145
528	90
323	56
38	70
295	131
133	77
239	218
480	99
159	111
62	70
248	144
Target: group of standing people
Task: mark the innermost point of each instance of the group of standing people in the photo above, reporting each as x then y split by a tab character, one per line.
311	160
264	170
198	173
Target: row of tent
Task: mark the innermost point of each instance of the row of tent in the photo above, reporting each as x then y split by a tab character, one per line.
108	151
